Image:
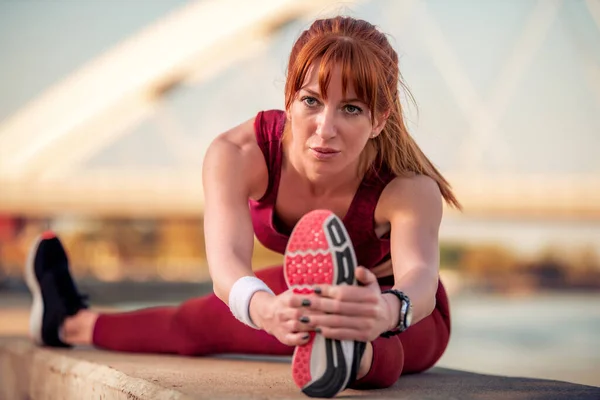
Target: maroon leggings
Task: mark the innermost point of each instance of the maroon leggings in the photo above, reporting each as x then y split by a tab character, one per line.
204	325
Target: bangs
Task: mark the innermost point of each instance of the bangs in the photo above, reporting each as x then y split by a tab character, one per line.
356	60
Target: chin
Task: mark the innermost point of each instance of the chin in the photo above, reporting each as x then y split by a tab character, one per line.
325	169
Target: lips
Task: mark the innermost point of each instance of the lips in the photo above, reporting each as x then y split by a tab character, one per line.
324	150
324	153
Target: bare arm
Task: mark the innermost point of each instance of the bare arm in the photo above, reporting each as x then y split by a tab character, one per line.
413	206
234	170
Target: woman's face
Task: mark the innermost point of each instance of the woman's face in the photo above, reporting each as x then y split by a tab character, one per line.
328	136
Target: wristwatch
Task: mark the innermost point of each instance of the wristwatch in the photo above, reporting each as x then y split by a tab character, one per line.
405	316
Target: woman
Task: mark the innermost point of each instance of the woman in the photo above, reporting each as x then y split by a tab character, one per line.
341	145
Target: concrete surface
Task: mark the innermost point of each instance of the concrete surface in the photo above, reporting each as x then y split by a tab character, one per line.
31	372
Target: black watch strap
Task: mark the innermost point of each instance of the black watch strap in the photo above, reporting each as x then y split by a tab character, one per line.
404	304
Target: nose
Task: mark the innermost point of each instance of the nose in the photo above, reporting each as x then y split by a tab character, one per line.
326	126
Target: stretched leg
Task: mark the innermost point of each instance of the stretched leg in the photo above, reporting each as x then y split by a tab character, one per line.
415	350
60	316
425	343
199	326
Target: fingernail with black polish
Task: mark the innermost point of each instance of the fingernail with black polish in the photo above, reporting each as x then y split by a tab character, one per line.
318	330
307	336
305	303
304	319
317	290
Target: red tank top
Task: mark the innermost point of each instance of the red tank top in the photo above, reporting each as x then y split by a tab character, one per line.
359	220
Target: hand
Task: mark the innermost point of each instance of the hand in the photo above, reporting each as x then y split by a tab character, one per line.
350	312
282	316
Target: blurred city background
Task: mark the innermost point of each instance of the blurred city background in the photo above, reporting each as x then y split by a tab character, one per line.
107	107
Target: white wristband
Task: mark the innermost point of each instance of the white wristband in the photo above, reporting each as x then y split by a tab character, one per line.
240	294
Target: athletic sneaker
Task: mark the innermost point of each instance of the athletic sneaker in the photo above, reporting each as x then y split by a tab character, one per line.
320	252
55	296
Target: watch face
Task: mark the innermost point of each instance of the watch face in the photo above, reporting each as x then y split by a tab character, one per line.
408	319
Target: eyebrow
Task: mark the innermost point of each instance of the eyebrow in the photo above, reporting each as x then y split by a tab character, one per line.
352	100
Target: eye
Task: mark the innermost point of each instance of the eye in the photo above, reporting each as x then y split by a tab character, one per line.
352	110
309	101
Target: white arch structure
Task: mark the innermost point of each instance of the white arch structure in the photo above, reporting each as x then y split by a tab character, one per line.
43	142
49	137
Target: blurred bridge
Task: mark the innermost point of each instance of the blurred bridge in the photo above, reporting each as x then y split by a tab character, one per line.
180	194
125	134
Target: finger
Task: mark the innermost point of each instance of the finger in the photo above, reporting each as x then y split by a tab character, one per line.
296	338
351	294
367	308
366	277
289	313
302	324
301	301
298	317
341	321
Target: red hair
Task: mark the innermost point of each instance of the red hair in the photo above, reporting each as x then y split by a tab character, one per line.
370	64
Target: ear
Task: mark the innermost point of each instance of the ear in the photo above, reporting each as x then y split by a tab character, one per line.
380	122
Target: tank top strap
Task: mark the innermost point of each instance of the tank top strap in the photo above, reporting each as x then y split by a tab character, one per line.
268	127
361	215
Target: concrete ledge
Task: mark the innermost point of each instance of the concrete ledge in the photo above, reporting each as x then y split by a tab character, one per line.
31	372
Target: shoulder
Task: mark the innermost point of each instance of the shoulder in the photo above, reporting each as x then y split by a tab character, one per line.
236	153
240	139
414	195
246	135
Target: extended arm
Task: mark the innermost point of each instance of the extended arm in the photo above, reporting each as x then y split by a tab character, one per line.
413	206
234	170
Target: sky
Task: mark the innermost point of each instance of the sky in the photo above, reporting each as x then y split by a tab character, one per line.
549	123
41	42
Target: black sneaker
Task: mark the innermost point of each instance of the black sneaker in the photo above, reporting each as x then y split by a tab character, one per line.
55	296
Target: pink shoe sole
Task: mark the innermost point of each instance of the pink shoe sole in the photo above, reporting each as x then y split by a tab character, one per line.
320	252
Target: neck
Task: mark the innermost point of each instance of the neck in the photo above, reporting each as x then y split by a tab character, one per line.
324	185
